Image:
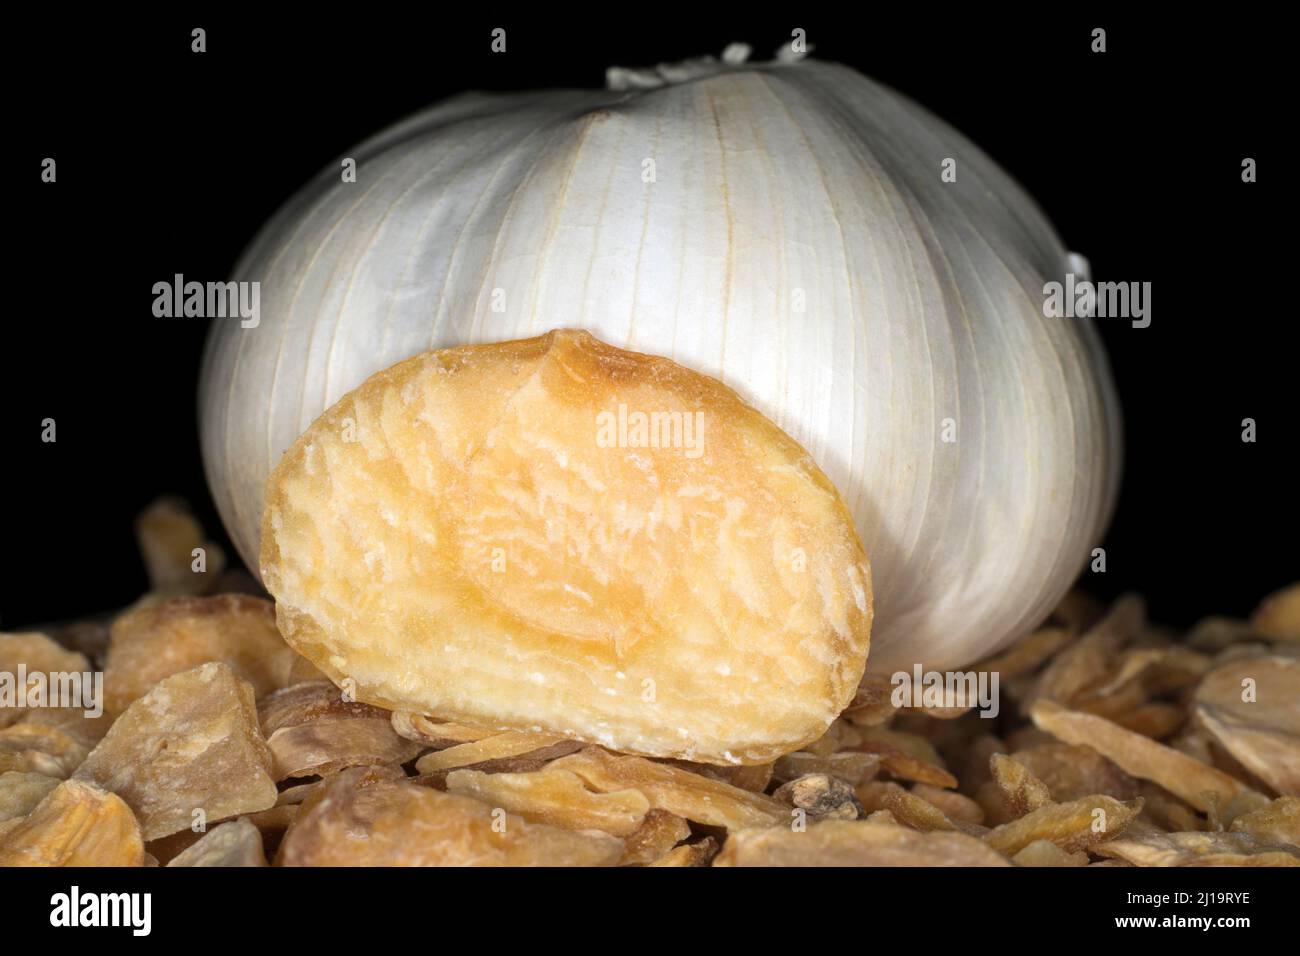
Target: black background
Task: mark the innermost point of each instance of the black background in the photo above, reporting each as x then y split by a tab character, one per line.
168	162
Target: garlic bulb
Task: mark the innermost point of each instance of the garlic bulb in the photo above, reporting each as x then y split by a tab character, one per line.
783	227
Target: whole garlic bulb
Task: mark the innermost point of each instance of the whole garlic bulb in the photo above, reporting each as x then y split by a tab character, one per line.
783	227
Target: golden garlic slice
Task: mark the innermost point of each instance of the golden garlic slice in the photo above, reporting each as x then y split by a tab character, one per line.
556	535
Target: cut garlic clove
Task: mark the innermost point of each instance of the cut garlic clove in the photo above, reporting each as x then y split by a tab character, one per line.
493	535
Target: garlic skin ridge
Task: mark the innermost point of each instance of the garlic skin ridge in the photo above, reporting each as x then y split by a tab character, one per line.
782	227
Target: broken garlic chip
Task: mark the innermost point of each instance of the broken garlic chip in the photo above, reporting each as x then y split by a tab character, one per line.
495	752
1072	771
33	653
558	535
689	854
155	641
1022	791
855	843
691	795
1275	822
234	844
21	791
902	805
1090	657
821	797
172	541
40	748
906	767
658	833
1047	853
1252	708
853	767
191	745
1181	775
436	734
312	730
76	824
1072	826
957	807
1155	848
402	824
554	796
1278	616
327	746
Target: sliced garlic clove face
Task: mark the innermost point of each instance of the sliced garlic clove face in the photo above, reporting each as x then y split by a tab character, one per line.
491	535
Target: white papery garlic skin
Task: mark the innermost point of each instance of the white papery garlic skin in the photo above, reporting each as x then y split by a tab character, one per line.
783	227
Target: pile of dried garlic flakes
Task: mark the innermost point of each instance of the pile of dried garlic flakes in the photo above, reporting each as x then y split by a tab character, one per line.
1118	743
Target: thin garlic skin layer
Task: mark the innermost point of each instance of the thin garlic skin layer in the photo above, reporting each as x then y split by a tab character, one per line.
784	228
475	534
